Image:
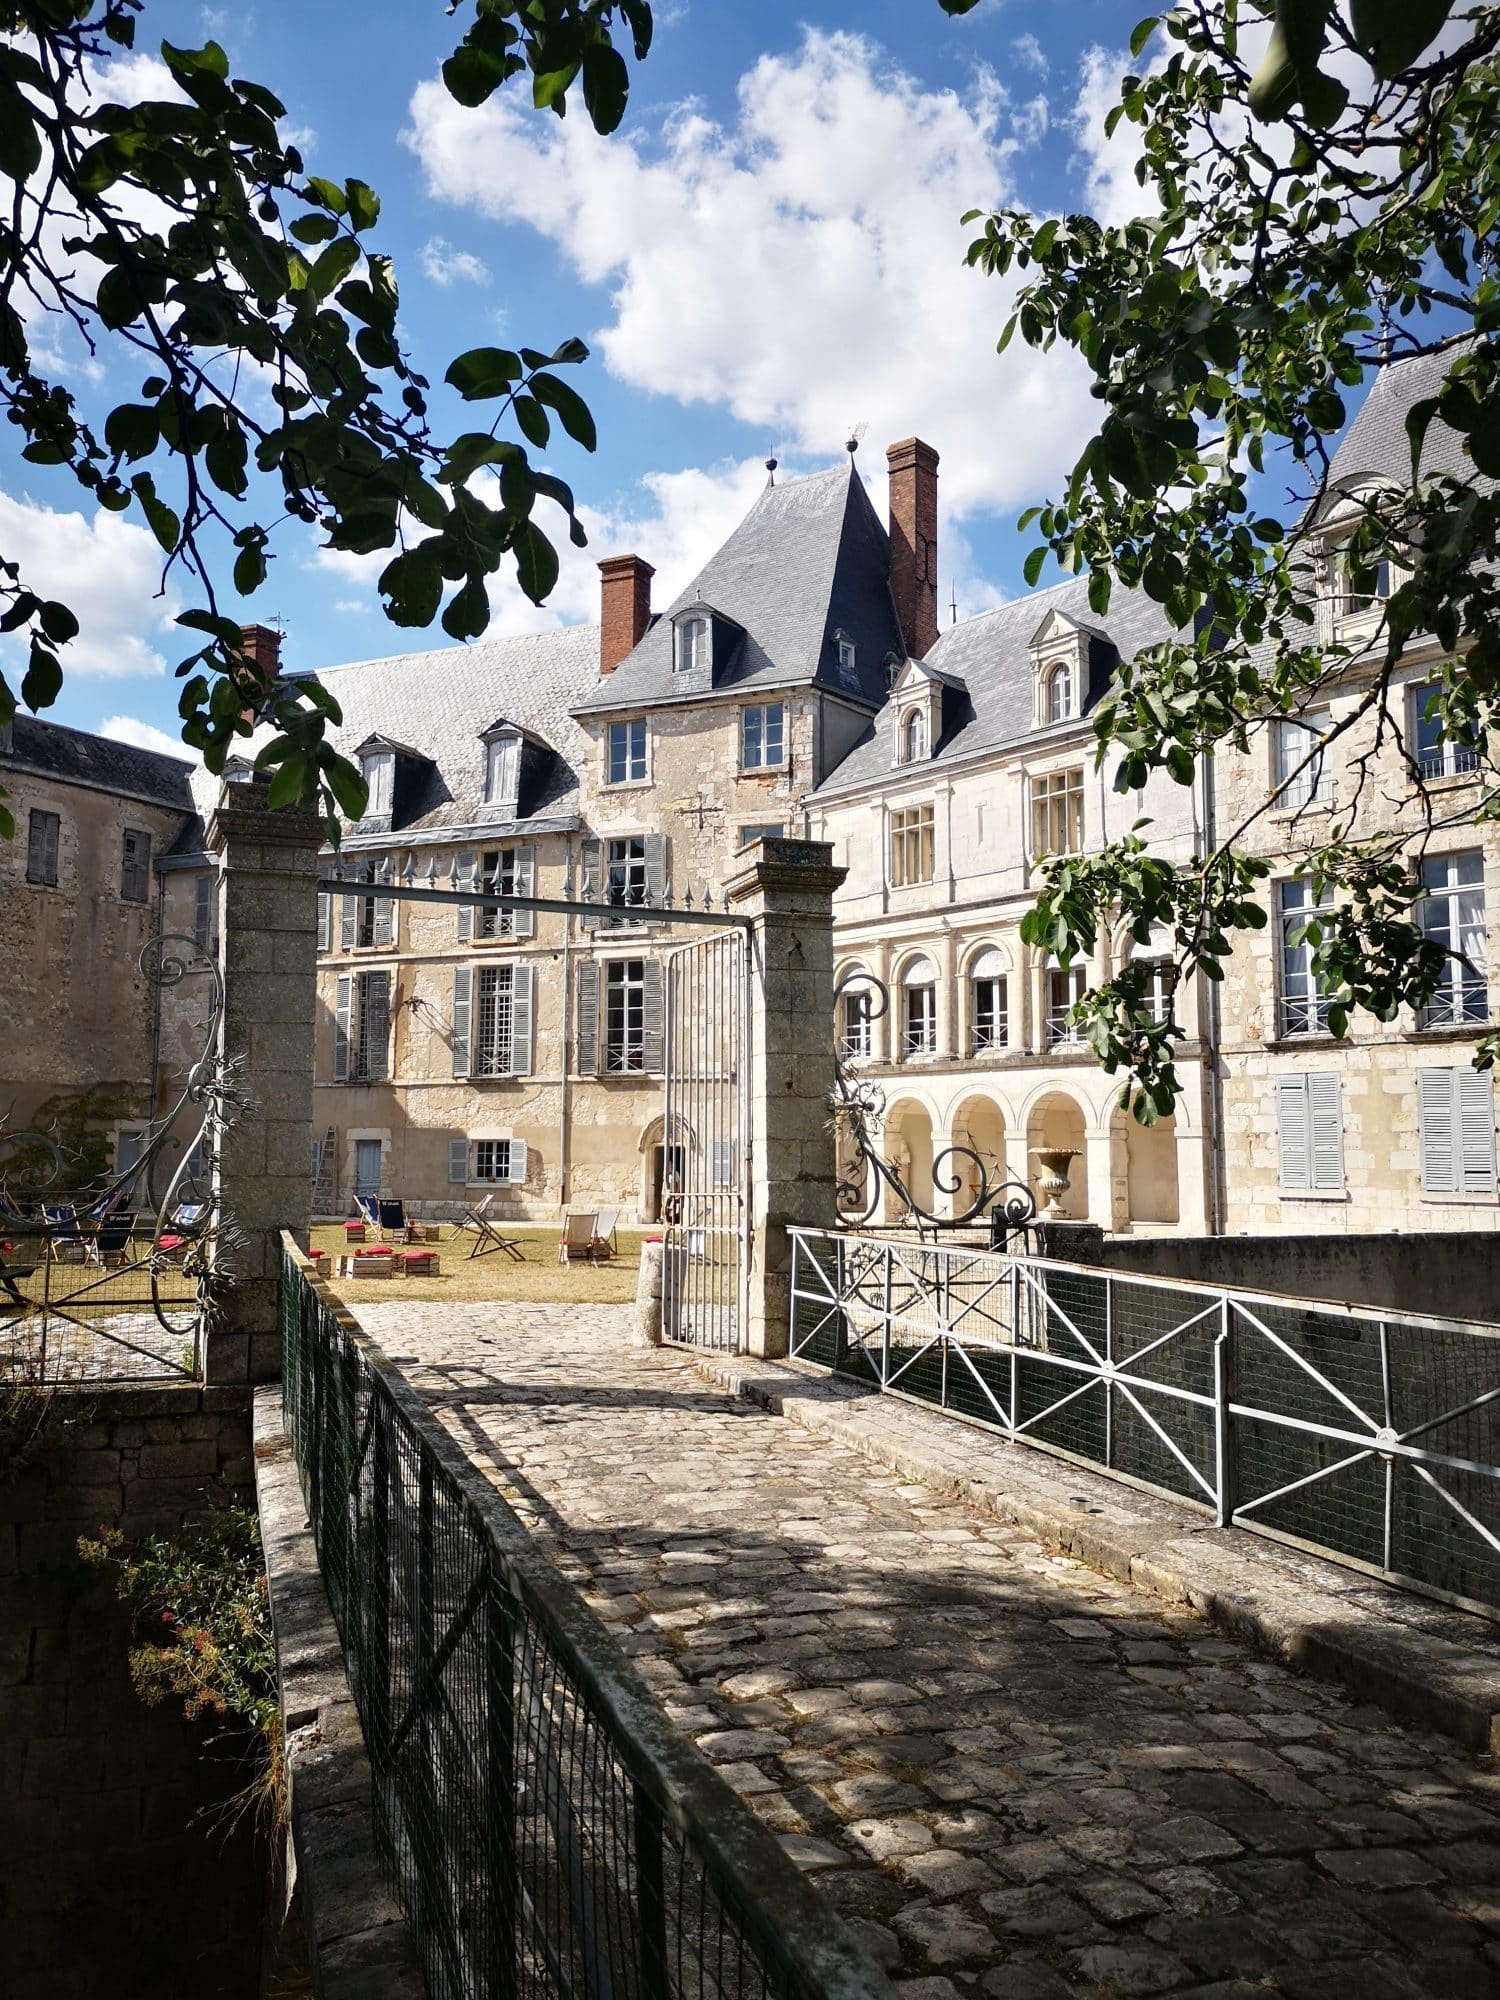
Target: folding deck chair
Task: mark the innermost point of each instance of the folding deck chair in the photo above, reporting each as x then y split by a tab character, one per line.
487	1236
607	1232
578	1237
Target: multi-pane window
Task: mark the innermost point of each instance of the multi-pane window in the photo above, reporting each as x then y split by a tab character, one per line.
913	736
692	644
504	871
855	1038
1437	756
846	657
379	772
135	866
1360	590
1310	1132
1059	693
625	762
624	1015
763	736
1057	813
41	848
489	1160
1303	999
1303	775
1456	1116
919	1009
1453	917
502	770
1065	988
494	1022
625	870
987	1002
911	846
373	918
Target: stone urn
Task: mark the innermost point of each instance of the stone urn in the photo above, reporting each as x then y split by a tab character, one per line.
1052	1179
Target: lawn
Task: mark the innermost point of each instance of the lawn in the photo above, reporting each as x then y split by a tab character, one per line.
464	1279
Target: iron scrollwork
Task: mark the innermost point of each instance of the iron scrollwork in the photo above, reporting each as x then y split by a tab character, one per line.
867	1174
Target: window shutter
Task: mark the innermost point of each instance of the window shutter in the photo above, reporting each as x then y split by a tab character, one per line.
203	890
588	1018
1475	1119
458	1162
653	1053
517	1160
343	1014
591	888
375	1026
1326	1120
53	828
385	920
520	1021
523	922
1292	1126
463	1002
1435	1116
36	847
468	872
656	868
348	922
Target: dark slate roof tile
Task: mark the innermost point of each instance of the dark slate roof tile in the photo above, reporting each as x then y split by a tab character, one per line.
72	755
1376	445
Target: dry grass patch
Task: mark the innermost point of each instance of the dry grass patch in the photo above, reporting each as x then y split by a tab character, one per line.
466	1280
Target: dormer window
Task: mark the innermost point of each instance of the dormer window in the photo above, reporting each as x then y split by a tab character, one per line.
846	653
692	643
1057	704
913	738
502	771
378	769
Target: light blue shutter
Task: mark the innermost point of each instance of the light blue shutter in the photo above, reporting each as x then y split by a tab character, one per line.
517	1170
463	1002
1326	1124
343	1013
1435	1116
523	922
468	870
1292	1128
458	1162
520	1021
1474	1119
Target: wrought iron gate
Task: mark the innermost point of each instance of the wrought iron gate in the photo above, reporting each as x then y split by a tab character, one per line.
707	1142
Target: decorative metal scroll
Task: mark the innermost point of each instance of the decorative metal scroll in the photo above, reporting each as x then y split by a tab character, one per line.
867	1175
53	1214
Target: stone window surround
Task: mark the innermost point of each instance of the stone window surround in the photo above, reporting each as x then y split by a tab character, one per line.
609	784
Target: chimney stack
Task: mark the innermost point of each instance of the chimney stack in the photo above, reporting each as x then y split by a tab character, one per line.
624	607
261	648
913	470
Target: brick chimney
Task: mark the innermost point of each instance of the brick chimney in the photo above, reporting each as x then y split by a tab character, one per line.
261	647
624	607
913	469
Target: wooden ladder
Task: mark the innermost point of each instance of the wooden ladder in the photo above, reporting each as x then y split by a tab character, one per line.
325	1193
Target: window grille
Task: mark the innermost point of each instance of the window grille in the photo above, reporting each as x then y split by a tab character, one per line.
135	866
1057	813
372	1028
494	1047
626	756
1065	988
498	872
1453	917
763	736
625	1016
911	846
41	848
1304	999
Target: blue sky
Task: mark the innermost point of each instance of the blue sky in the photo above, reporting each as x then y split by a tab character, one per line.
768	253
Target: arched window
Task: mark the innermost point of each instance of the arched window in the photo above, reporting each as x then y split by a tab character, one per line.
988	998
692	643
1059	693
1065	988
919	1008
913	736
855	1013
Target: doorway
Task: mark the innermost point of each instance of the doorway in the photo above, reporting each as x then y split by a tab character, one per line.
366	1167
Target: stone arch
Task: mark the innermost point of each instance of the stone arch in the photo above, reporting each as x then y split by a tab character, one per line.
1055	1119
1151	1191
977	1123
660	1162
907	1142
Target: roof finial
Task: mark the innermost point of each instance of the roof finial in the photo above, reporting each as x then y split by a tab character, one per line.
851	443
770	472
953	605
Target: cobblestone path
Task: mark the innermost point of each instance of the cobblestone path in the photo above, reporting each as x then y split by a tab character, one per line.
1015	1777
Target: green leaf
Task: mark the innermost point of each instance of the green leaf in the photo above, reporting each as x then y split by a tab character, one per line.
532	419
606	85
347	786
570	407
413	584
468	613
364	204
536	561
20	141
42	682
313	229
163	522
1141	33
484	372
1031	569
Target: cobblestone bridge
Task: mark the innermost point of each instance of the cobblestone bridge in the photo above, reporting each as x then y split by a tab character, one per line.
1015	1777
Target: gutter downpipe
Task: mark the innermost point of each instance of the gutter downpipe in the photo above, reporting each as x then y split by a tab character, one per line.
564	1162
1214	1093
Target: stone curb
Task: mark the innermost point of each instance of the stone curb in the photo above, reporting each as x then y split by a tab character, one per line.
357	1938
1421	1661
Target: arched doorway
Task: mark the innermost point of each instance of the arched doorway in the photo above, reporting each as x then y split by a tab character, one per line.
907	1143
661	1169
1151	1169
1056	1121
978	1125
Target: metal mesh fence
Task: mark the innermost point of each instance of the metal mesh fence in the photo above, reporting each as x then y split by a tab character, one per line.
1370	1437
80	1303
547	1832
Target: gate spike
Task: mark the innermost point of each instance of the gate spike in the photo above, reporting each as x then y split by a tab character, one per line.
432	871
687	897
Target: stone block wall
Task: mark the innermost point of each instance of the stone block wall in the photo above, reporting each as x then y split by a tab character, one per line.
108	1886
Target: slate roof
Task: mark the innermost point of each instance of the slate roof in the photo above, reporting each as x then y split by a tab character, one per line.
439	703
990	656
1376	446
809	559
73	756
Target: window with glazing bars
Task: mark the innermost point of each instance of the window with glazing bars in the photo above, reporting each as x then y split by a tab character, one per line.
1453	917
1057	813
494	1027
1437	756
911	846
763	736
854	1023
919	1020
625	762
492	1159
1065	988
988	992
625	871
1303	1000
1305	782
625	1015
498	872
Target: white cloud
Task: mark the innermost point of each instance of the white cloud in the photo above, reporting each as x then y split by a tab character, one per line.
446	265
1030	54
107	570
1110	188
352	606
802	267
144	736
